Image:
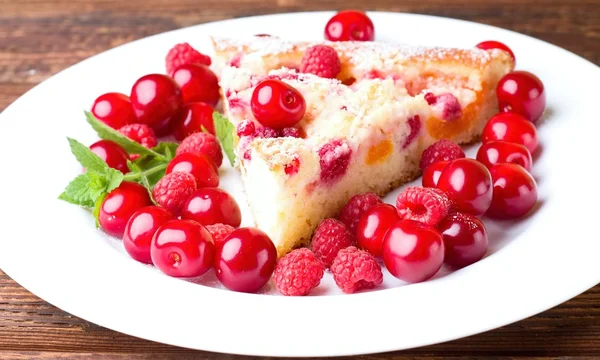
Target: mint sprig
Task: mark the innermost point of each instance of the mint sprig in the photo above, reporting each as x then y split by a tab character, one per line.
224	130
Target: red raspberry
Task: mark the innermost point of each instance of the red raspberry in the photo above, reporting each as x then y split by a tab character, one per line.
298	273
203	143
334	158
355	269
330	237
291	132
292	167
356	207
140	133
426	205
183	54
321	60
219	232
446	106
246	128
441	150
267	132
414	122
172	191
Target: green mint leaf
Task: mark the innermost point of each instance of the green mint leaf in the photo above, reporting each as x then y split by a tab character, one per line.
166	148
115	178
97	184
97	206
146	183
78	192
224	130
86	157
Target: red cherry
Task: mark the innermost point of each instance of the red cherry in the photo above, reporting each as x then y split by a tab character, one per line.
432	173
191	118
277	105
245	260
141	228
198	84
114	109
200	166
468	184
112	153
120	204
373	225
499	152
523	93
491	44
212	206
465	239
511	127
156	98
350	25
182	248
515	191
413	252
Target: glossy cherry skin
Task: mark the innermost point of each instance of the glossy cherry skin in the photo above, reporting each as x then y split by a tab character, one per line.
120	204
114	109
468	184
200	166
511	127
491	44
515	191
500	152
373	225
210	206
350	25
198	84
140	230
191	118
182	248
156	98
465	239
277	105
112	153
245	260
432	173
523	93
412	251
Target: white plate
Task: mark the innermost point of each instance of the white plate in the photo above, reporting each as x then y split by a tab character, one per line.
52	248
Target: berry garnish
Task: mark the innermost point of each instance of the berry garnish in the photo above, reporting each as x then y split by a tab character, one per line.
441	150
468	184
156	98
350	25
140	133
491	44
523	93
204	144
292	132
172	190
412	251
246	128
330	236
119	205
182	248
276	104
511	127
422	204
114	109
499	152
465	239
298	273
445	106
192	118
432	173
373	225
183	54
267	133
200	166
356	207
113	154
245	260
354	270
198	84
515	191
212	206
321	60
334	158
219	232
140	230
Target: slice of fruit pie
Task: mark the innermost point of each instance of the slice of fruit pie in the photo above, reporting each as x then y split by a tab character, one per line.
307	143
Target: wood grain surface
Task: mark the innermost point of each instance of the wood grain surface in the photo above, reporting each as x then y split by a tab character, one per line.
39	38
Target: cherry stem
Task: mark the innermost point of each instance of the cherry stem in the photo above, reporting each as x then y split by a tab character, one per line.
134	176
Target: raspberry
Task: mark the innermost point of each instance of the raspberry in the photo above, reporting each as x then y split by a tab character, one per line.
203	143
266	132
441	150
183	54
140	133
446	106
298	273
246	128
334	158
330	237
426	205
219	232
355	269
356	207
414	122
172	191
291	132
292	167
321	60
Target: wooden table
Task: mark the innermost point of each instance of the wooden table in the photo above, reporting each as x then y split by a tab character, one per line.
39	38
